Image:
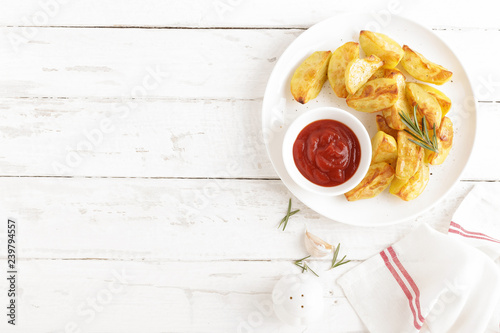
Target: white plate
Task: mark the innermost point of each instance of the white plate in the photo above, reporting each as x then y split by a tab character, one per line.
279	110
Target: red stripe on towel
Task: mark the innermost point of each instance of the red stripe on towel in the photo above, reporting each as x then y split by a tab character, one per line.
410	281
396	276
470	234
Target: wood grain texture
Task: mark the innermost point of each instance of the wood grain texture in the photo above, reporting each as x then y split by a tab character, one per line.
239	13
128	297
161	138
131	157
158	219
213	64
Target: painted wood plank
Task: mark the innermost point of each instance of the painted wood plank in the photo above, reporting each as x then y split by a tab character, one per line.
161	138
213	64
125	296
179	220
239	13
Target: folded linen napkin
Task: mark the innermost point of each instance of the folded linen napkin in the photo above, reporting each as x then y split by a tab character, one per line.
432	282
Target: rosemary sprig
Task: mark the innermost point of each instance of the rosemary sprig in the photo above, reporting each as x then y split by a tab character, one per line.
421	135
300	263
336	263
284	221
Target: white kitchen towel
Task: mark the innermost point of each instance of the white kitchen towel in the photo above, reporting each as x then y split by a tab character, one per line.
432	282
477	220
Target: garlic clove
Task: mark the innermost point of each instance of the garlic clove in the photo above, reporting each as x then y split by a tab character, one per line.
317	247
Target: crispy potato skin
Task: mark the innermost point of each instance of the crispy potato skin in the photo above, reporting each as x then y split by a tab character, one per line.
358	71
426	105
410	156
377	179
410	189
382	46
384	148
391	114
374	96
310	76
386	72
341	57
443	100
444	136
423	69
382	126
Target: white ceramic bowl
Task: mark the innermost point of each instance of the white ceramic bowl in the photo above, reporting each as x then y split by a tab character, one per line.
319	114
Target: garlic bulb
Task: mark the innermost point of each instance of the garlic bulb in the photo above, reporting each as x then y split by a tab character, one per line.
317	247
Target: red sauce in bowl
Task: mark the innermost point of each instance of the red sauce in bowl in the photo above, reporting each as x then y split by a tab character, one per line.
327	152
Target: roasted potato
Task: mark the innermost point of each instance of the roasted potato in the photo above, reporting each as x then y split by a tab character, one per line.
426	104
389	73
374	95
377	179
410	156
382	46
310	76
444	136
358	71
413	187
382	126
384	148
441	98
391	114
422	69
341	57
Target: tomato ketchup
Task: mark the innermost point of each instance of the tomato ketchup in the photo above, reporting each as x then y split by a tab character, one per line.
327	152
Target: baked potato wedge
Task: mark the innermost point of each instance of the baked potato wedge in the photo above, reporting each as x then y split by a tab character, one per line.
382	126
391	114
389	73
444	136
358	71
413	187
443	100
423	69
341	57
377	179
410	156
384	148
426	104
310	76
374	95
382	46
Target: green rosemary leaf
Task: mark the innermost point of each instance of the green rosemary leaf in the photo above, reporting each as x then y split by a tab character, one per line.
422	144
284	221
336	263
420	133
300	260
335	254
309	268
425	131
435	137
413	135
341	263
300	263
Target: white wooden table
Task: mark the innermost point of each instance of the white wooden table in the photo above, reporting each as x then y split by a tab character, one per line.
131	159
